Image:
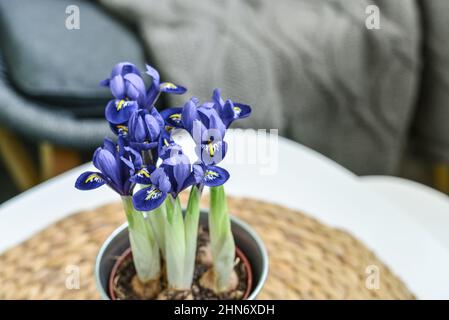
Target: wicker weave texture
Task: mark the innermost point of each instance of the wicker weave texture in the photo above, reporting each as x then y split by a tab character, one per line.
308	260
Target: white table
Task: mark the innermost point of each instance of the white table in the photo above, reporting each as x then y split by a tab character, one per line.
426	206
304	180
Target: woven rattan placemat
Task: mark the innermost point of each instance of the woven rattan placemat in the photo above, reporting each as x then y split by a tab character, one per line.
308	260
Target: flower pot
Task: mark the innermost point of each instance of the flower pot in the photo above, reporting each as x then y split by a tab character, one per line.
250	249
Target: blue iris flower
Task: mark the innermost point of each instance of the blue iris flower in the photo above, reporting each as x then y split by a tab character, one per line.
207	130
207	124
144	140
139	171
112	170
144	129
208	175
179	171
228	110
173	176
157	87
126	82
128	88
153	196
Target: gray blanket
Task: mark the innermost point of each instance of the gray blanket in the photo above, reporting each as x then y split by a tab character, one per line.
309	68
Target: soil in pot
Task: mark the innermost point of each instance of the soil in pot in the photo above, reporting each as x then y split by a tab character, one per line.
125	286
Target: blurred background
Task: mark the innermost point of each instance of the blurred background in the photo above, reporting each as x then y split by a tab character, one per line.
365	83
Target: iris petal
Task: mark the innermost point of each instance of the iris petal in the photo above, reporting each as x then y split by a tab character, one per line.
181	172
119	111
189	115
198	172
105	83
157	116
228	114
121	128
109	145
138	129
241	110
216	97
152	127
211	153
131	92
107	164
143	145
149	198
170	87
143	175
117	86
123	68
153	74
215	176
160	178
89	180
172	117
137	82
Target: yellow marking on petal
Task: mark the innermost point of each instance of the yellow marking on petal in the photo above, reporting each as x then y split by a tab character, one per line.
144	172
121	127
211	173
175	116
166	142
211	149
151	194
92	177
237	109
168	85
120	105
169	128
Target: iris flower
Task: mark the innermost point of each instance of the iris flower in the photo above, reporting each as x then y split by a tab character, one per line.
157	87
207	130
173	116
144	129
139	171
211	176
229	111
112	170
174	175
150	198
126	82
119	129
128	88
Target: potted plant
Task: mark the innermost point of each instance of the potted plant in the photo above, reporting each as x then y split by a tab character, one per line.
163	251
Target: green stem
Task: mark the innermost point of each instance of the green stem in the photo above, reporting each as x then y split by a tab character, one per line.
175	247
143	243
191	221
157	219
222	241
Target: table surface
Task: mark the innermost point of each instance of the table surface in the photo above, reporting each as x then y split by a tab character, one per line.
288	174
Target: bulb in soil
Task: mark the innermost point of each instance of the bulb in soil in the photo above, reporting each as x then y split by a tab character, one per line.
204	255
172	294
208	281
148	290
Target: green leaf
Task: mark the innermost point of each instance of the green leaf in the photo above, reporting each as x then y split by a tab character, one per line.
158	218
175	245
191	221
222	240
143	243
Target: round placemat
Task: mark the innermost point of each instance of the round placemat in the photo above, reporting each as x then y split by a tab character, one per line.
308	260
